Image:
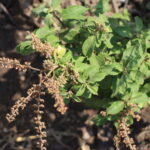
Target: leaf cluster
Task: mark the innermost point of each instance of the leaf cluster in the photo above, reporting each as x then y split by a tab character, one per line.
109	54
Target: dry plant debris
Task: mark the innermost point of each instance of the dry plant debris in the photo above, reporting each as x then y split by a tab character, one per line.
37	90
52	84
123	130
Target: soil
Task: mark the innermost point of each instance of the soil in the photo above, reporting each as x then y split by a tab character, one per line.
74	130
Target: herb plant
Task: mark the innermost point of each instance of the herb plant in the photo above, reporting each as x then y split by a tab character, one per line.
100	60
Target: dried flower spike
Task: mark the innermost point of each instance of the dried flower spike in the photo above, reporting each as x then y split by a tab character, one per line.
43	48
53	88
14	63
40	125
123	132
22	103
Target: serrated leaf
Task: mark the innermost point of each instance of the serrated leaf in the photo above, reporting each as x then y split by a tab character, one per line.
80	91
66	101
39	11
94	60
25	48
73	12
97	77
123	32
88	46
146	88
72	33
138	23
78	59
93	89
77	99
141	99
108	43
123	16
80	67
87	94
101	58
115	107
102	7
130	120
48	19
82	78
106	38
112	69
96	103
66	58
99	120
91	69
42	32
55	3
52	39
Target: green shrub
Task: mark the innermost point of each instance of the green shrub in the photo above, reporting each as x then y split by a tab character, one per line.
102	61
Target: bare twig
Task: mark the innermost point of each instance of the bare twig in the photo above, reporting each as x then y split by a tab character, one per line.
126	3
4	9
57	17
59	134
14	63
115	5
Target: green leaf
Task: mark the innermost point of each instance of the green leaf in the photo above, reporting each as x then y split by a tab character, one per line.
102	58
96	77
102	7
134	87
123	16
83	78
140	98
146	88
87	94
144	69
73	12
52	39
72	33
77	99
80	91
115	107
63	92
88	46
106	38
80	67
55	3
133	55
91	69
138	23
40	11
113	117
48	20
108	43
42	32
124	32
25	48
130	120
78	59
112	69
66	58
94	60
99	120
96	102
93	88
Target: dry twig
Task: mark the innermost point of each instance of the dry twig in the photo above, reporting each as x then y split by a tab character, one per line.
4	9
115	5
14	63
